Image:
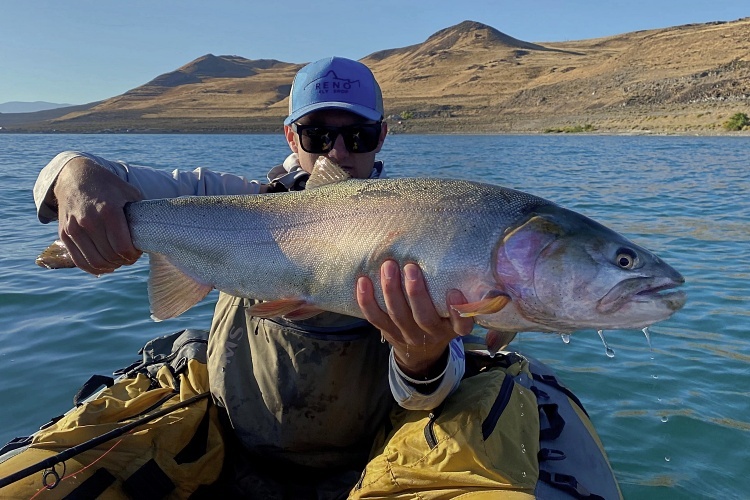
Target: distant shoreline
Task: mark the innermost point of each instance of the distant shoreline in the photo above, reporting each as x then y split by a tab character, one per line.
699	119
624	133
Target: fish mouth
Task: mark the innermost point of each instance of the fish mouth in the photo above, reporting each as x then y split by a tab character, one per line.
644	290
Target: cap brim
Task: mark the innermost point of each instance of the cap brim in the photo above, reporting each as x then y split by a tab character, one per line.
362	111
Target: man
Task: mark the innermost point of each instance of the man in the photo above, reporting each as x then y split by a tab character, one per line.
304	398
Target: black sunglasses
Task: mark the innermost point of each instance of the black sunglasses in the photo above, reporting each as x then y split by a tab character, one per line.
358	138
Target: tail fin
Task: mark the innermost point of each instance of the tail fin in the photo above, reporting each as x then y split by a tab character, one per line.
55	256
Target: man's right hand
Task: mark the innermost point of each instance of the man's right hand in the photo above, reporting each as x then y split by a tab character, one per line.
92	223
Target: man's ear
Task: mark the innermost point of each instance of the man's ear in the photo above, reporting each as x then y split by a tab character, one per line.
291	139
383	134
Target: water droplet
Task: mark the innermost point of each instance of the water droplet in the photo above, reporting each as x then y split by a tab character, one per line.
523	474
522	414
523	448
382	338
667	459
654	376
664	418
608	350
565	338
648	338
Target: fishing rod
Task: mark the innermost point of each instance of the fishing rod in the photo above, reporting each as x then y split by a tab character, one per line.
50	462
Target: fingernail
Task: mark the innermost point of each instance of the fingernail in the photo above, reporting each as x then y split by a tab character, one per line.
389	269
361	286
411	271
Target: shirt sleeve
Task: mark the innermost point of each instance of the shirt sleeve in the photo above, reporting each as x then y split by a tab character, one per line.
151	182
404	388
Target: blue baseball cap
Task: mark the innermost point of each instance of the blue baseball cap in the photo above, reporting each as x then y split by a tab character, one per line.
335	83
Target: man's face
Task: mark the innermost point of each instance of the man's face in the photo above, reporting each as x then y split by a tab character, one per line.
358	165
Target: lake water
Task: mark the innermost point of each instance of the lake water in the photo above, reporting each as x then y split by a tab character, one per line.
674	419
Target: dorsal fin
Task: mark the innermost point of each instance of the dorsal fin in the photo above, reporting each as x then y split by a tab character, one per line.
324	172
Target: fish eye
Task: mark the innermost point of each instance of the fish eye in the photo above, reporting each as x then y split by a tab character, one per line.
626	258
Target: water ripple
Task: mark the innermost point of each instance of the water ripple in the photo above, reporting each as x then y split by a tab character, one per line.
688	199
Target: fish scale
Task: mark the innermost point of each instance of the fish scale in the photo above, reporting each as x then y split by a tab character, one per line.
523	263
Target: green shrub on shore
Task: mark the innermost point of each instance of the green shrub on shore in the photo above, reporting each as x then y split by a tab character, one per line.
737	122
570	130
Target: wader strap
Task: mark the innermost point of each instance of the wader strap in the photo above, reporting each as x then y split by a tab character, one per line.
568	484
93	486
550	421
552	381
550	454
90	387
15	443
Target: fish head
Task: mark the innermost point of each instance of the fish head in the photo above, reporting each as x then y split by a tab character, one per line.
566	272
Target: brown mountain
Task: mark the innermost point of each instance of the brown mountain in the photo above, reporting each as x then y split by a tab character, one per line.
469	78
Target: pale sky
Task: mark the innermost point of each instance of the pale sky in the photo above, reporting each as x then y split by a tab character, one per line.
80	51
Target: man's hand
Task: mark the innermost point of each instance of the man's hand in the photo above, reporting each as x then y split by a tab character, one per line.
411	324
92	223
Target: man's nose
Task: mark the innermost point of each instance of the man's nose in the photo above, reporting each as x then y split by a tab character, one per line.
338	151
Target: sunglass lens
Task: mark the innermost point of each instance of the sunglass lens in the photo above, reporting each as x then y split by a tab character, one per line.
362	139
318	140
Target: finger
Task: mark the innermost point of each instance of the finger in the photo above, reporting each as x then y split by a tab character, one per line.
79	259
111	236
118	231
462	326
396	304
93	245
121	242
370	308
422	308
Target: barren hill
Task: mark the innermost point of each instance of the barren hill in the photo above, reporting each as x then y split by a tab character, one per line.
471	78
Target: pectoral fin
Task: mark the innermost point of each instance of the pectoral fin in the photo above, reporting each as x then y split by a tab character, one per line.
171	292
282	307
490	304
497	341
304	312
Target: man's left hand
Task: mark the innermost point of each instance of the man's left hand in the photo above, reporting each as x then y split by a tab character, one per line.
410	323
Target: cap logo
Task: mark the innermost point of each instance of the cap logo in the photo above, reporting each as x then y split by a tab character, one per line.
331	83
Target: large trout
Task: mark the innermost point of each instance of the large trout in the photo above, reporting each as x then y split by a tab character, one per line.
523	263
